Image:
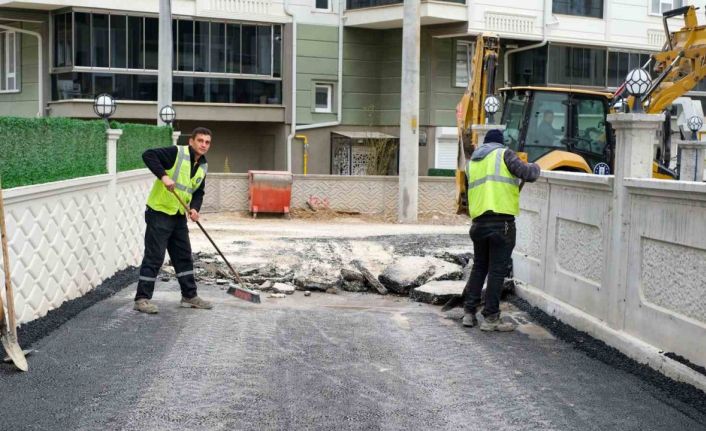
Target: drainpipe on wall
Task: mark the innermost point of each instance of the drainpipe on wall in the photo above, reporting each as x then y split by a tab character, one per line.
294	85
339	92
40	76
545	39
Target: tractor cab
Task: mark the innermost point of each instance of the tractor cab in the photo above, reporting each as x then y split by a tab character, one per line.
558	128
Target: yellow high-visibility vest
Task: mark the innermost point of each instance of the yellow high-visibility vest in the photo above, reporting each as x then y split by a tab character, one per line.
161	199
491	186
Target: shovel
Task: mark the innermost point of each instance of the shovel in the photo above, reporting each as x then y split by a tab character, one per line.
8	329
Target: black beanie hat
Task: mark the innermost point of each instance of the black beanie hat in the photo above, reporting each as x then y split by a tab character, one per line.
495	136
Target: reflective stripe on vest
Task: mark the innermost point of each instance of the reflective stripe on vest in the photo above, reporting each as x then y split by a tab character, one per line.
491	186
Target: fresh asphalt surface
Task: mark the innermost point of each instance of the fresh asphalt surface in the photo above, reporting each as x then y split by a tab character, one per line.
349	361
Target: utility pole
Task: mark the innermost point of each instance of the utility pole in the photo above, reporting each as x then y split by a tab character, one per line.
164	80
409	115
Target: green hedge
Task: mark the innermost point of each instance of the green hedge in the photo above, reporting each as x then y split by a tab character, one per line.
433	172
137	138
41	150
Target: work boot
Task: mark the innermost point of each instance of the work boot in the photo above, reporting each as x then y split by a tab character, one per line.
195	302
145	306
495	324
470	320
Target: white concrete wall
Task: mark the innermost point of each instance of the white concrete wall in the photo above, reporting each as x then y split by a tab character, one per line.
563	255
365	194
625	23
66	237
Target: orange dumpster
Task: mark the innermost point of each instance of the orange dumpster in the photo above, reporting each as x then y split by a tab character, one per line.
270	192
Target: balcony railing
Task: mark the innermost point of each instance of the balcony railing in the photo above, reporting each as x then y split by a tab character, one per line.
361	4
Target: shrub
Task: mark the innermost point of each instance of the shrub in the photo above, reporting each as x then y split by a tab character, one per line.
42	150
137	138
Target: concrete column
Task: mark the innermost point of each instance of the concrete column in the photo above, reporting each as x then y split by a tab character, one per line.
691	163
635	139
112	150
408	202
164	80
483	129
113	135
175	137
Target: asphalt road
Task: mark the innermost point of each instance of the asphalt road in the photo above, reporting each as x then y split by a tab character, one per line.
349	361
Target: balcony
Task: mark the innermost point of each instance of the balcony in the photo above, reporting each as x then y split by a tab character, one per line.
387	14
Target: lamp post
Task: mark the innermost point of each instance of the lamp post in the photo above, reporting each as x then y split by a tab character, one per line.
637	82
695	123
104	107
167	114
491	106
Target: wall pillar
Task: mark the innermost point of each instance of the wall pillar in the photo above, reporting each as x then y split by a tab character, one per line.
111	203
691	160
175	137
635	139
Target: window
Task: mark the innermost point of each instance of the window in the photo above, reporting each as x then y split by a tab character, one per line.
106	50
547	124
322	4
99	40
118	41
464	62
9	61
589	8
661	6
322	97
63	35
136	55
249	49
83	39
529	67
575	65
151	43
512	118
589	131
622	62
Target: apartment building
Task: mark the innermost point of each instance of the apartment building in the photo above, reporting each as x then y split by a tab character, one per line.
251	69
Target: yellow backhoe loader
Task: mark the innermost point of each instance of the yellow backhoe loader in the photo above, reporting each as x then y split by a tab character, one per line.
566	129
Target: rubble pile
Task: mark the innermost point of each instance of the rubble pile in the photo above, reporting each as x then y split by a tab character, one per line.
431	279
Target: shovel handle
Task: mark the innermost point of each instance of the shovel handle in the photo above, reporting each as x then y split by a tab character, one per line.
232	270
6	267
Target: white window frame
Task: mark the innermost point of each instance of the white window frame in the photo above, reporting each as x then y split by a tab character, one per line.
10	39
660	12
329	97
470	51
328	8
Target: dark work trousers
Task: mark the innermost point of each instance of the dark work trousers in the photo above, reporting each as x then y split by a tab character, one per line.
166	233
492	256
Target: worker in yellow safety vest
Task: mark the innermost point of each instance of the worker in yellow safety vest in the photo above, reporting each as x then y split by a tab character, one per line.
182	170
493	173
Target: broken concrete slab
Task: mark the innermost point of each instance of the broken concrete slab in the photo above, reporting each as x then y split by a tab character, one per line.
351	275
266	285
287	289
437	292
445	270
370	278
406	273
304	282
222	281
457	258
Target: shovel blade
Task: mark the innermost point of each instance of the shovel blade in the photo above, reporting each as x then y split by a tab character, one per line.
14	352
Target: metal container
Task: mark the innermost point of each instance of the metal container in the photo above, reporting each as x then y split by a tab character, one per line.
270	192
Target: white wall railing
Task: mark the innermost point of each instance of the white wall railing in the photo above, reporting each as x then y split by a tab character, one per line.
67	237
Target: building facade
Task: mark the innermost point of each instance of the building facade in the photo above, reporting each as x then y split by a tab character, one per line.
265	74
